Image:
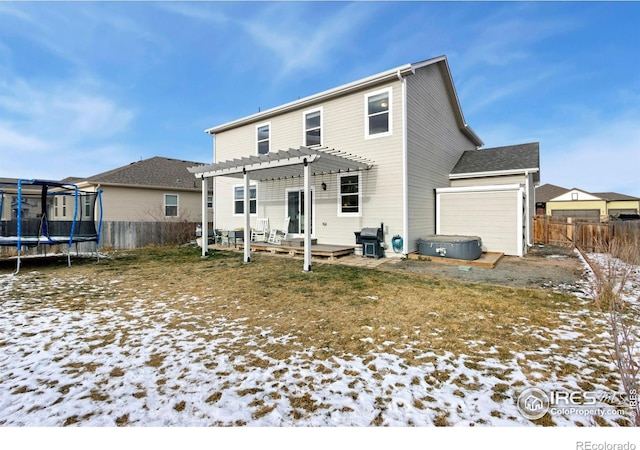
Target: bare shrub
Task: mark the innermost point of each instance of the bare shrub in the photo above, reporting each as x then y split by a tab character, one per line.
616	263
171	230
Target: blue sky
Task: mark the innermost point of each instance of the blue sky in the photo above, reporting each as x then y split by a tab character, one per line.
88	87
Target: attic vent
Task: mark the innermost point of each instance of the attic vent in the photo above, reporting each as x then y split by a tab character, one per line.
179	181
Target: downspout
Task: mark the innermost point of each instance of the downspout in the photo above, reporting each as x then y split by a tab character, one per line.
405	169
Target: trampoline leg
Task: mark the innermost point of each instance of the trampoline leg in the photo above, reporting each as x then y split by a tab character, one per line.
18	264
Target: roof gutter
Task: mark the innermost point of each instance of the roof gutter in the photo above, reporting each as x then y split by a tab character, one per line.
493	173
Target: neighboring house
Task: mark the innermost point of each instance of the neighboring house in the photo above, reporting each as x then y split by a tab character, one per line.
154	189
545	193
31	200
369	152
592	206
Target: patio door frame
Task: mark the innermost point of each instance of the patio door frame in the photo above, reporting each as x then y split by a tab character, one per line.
300	191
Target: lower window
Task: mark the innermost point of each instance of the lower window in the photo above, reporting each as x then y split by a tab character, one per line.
170	205
349	194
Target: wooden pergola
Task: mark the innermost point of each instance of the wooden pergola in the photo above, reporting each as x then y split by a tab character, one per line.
302	161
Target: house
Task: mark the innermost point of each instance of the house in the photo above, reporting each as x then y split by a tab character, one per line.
153	189
370	152
591	206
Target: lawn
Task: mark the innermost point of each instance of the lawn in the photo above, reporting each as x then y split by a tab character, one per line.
162	337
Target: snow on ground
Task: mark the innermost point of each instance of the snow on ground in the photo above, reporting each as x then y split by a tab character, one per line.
105	364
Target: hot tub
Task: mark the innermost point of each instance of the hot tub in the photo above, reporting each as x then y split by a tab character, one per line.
456	247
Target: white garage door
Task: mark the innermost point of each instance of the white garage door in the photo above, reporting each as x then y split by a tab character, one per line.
494	213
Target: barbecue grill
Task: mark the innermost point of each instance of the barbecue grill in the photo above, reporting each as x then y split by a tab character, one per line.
371	240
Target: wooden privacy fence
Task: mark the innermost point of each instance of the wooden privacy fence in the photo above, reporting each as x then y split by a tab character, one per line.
589	236
122	236
129	235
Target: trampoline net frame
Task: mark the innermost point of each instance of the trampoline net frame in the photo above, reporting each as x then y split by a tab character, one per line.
36	212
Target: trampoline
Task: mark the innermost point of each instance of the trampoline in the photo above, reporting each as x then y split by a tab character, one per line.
42	212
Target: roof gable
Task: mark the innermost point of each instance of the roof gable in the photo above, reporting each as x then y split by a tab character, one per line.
389	75
548	191
157	172
575	194
508	159
571	194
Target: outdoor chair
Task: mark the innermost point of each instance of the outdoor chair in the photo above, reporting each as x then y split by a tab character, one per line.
276	236
261	230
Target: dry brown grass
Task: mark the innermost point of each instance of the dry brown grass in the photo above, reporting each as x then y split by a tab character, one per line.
333	309
333	312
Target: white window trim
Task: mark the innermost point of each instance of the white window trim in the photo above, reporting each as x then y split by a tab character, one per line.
256	135
339	199
164	201
233	199
313	208
86	203
388	90
304	126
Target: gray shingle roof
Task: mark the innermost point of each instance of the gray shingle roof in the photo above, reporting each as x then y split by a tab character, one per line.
157	171
548	191
613	196
512	157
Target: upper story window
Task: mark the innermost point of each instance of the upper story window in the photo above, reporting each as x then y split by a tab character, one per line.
170	205
313	128
238	199
262	138
378	113
349	194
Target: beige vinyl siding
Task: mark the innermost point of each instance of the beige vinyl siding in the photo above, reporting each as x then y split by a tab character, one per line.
493	216
140	204
628	206
599	205
434	145
343	125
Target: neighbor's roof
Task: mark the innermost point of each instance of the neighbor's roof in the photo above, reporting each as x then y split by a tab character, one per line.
388	75
613	196
499	160
153	172
548	191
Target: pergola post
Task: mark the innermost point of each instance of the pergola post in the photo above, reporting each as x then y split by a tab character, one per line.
307	217
205	219
247	218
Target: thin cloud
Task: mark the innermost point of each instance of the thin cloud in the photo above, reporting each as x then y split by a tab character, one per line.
50	124
74	32
284	30
605	158
595	153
